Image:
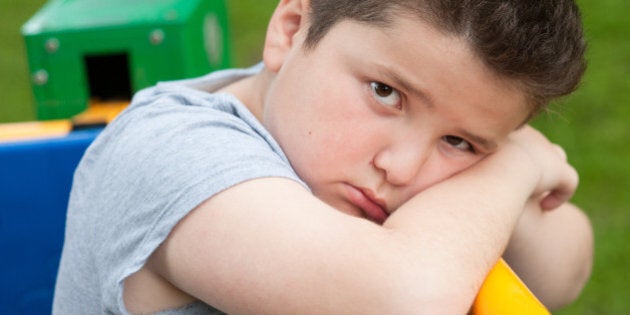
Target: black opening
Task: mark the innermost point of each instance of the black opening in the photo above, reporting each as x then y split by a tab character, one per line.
108	76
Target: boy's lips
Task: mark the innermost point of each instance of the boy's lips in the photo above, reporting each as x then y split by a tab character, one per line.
373	208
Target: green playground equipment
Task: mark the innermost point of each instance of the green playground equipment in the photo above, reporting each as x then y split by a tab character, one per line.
84	50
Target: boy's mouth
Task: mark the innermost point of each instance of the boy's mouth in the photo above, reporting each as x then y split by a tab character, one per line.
372	207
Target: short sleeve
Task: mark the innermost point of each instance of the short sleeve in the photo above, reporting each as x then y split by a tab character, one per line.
153	165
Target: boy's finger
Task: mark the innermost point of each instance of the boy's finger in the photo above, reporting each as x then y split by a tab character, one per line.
563	192
554	200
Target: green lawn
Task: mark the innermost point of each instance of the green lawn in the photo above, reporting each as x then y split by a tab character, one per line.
592	125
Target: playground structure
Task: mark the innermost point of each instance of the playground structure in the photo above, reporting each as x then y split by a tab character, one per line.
85	50
86	59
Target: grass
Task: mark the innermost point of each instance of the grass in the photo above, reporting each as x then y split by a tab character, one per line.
592	125
14	84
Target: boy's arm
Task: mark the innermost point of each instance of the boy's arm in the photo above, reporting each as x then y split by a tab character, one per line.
552	251
269	246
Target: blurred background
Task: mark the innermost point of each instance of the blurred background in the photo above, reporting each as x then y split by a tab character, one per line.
593	125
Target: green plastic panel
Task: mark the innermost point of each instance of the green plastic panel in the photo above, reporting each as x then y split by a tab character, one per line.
83	49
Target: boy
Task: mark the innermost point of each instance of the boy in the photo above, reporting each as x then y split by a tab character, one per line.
375	163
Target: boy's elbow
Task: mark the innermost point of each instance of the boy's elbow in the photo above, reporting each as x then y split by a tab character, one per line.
571	291
577	275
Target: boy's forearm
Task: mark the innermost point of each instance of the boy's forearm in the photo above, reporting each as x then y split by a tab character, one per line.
290	266
552	251
431	255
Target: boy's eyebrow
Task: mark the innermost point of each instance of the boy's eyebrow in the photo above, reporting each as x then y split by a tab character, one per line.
401	82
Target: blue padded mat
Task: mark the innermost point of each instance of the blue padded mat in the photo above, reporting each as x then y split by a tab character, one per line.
35	181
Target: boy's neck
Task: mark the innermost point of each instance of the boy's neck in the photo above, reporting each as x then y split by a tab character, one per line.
251	91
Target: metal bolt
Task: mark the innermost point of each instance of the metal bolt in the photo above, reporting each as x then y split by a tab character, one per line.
156	37
40	77
52	45
213	39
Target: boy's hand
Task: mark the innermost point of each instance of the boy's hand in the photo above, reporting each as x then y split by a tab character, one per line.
557	179
552	251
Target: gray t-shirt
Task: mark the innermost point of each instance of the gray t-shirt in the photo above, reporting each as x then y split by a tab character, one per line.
177	145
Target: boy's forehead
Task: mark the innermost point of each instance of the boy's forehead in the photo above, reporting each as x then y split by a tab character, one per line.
413	54
407	45
392	25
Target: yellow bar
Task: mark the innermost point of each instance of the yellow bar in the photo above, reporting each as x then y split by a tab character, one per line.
98	113
34	130
503	292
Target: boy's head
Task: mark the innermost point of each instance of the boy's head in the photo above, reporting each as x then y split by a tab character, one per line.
539	45
375	101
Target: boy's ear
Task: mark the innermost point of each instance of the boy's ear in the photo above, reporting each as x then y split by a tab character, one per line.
287	21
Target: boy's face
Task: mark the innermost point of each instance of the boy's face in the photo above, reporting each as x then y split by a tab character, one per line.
372	115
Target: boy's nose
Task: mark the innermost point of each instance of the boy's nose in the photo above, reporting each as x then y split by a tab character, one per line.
402	164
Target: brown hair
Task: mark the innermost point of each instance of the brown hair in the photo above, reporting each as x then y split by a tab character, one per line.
538	44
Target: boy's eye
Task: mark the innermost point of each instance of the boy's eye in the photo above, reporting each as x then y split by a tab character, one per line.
459	143
385	94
